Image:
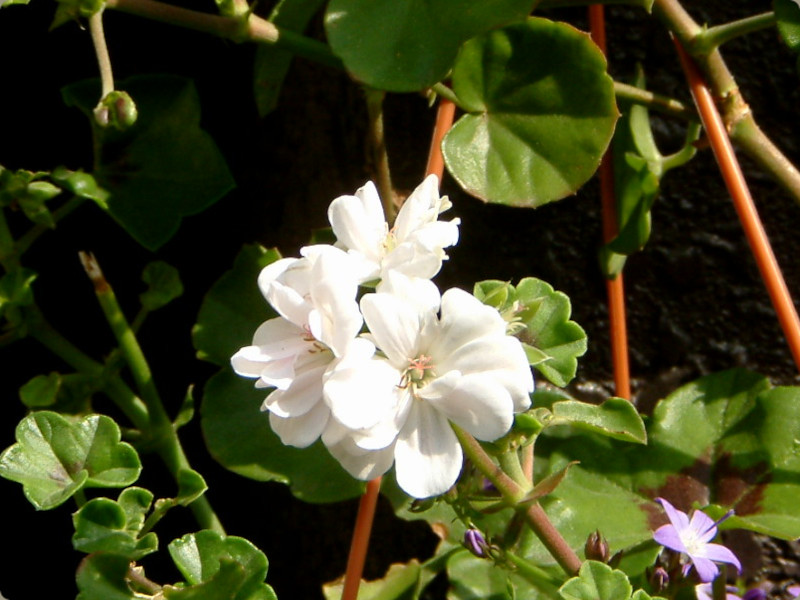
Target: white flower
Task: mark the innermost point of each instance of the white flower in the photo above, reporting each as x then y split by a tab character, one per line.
315	296
414	246
461	367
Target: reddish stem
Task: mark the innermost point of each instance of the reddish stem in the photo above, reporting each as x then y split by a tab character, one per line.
615	288
744	205
444	120
360	541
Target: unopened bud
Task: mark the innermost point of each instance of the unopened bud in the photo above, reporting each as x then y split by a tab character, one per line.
596	547
475	543
659	579
117	109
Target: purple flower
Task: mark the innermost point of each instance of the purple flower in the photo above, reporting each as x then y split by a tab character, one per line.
693	539
704	592
793	591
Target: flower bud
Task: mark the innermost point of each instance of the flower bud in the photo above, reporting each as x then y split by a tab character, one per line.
116	110
659	579
596	547
475	543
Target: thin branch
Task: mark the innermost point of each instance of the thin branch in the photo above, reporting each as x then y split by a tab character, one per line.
380	157
713	37
360	541
101	50
657	102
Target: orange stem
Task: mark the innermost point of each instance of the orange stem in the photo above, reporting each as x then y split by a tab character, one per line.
444	120
743	202
615	288
360	541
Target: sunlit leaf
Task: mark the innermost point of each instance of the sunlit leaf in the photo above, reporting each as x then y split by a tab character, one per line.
161	169
103	525
219	567
54	457
408	45
540	113
399	583
597	581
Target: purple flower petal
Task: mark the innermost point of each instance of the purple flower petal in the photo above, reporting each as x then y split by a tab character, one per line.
678	518
703	526
668	536
718	553
706	569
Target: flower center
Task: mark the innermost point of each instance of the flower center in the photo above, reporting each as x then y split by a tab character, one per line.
418	372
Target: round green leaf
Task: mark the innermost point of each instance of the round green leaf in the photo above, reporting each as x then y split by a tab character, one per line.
408	45
597	581
163	285
104	577
213	564
54	457
540	113
239	436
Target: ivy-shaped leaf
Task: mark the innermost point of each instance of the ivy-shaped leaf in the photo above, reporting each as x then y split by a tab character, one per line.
239	437
163	285
66	394
219	567
233	308
408	45
103	525
161	169
54	457
535	128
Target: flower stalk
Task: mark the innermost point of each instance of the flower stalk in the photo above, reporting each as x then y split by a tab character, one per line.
101	50
380	156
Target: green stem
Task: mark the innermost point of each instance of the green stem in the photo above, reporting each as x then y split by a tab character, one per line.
663	104
508	488
161	428
34	232
538	577
713	37
678	21
101	50
252	28
380	157
80	497
510	463
7	258
121	394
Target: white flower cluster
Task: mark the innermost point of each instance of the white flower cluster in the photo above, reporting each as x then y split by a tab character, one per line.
387	396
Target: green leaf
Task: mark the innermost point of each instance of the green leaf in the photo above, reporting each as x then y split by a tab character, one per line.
535	130
15	289
102	525
55	457
65	394
545	314
104	577
191	486
239	437
788	15
616	418
218	567
161	169
597	581
163	285
726	440
271	63
40	391
408	45
399	583
233	308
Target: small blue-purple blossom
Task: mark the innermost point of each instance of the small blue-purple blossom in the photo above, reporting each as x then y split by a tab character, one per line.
704	591
793	591
475	543
659	579
693	538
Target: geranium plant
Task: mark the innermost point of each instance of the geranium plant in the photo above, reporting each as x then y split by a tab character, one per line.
347	364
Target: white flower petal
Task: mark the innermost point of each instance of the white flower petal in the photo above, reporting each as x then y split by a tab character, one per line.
361	391
421	207
422	292
361	464
289	303
428	457
394	324
358	221
305	390
272	271
301	431
478	404
464	319
336	319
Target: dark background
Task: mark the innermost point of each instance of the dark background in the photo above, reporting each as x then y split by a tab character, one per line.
695	300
